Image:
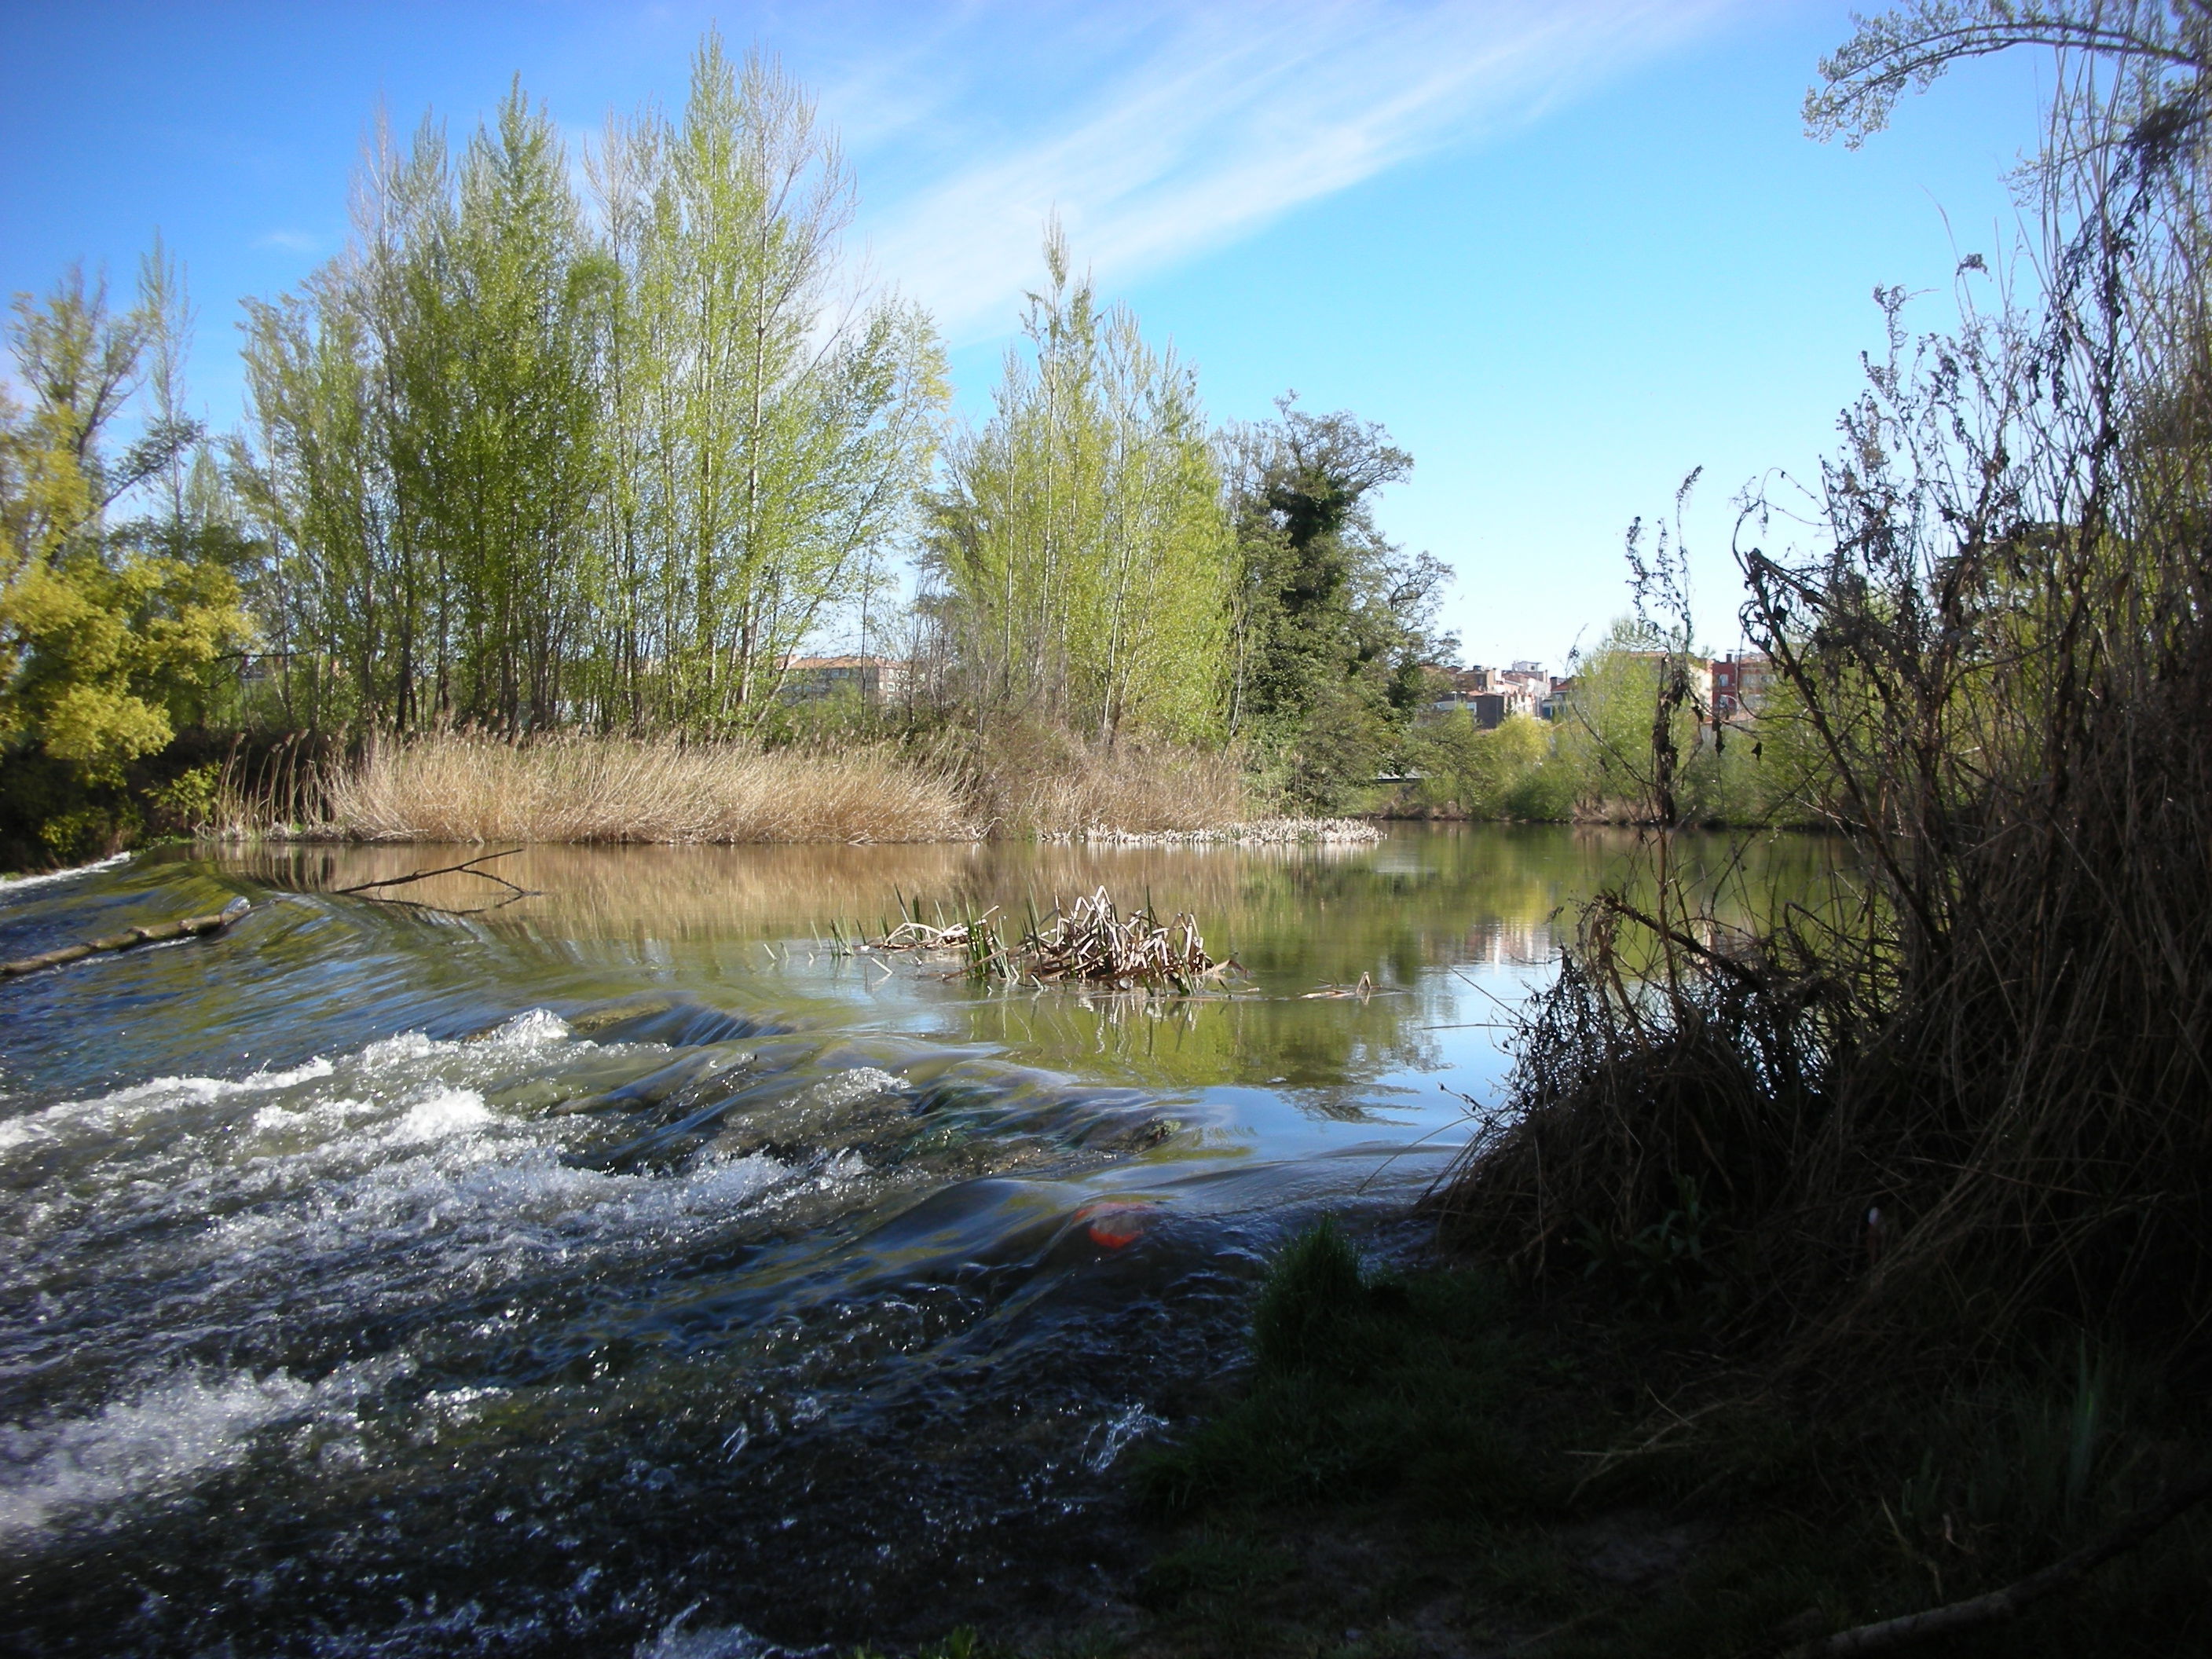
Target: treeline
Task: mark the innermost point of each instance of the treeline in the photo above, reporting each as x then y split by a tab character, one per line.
532	456
520	463
1102	558
1595	761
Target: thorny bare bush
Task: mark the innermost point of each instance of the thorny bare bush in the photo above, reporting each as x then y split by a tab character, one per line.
1978	1098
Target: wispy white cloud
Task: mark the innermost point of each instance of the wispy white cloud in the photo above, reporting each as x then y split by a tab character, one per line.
1166	133
292	241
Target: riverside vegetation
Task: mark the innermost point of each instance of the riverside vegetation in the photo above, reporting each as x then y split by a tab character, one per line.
1838	1283
549	468
556	469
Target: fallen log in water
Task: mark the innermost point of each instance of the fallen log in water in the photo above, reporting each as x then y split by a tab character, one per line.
160	931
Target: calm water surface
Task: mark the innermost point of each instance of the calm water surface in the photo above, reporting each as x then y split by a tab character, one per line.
618	1270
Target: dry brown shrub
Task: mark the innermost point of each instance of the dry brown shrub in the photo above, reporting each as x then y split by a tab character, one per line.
1976	1105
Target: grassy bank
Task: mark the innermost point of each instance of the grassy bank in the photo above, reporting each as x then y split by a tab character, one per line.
1433	1461
1437	1462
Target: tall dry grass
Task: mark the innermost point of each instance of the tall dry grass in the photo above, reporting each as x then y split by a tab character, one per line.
1018	780
1033	779
609	789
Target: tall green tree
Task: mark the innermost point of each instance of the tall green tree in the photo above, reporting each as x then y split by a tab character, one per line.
512	506
1332	623
781	428
1082	531
108	639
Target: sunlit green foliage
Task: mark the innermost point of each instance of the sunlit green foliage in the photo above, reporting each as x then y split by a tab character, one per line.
111	629
1082	533
768	441
1511	771
526	472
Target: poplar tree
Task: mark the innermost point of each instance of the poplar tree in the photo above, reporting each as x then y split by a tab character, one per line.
1082	531
787	427
521	305
523	471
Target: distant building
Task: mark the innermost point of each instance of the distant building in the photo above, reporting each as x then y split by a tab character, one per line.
874	679
1491	709
1492	695
1741	681
1700	670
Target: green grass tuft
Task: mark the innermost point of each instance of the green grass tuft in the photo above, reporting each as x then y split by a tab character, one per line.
1362	1385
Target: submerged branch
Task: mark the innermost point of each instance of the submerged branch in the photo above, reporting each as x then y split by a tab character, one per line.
159	932
2001	1604
466	867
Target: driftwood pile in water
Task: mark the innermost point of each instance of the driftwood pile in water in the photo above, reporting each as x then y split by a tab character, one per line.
160	931
1090	942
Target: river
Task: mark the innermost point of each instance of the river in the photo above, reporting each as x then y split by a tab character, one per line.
621	1267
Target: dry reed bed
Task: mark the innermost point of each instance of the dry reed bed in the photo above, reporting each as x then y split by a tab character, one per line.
1030	778
467	789
584	789
1025	783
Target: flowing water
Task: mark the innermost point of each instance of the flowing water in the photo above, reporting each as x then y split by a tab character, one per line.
618	1269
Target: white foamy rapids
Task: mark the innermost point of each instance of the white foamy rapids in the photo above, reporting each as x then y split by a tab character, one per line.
449	1111
415	1178
477	1204
18	883
142	1106
675	1641
173	1433
396	1180
397	1063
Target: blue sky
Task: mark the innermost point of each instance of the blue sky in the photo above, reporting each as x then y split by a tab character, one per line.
1564	252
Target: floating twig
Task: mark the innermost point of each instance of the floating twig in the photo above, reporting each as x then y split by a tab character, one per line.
466	867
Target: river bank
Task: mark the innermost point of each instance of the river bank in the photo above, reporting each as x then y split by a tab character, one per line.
1423	1458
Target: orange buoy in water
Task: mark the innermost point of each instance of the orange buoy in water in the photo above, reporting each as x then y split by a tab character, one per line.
1114	1223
